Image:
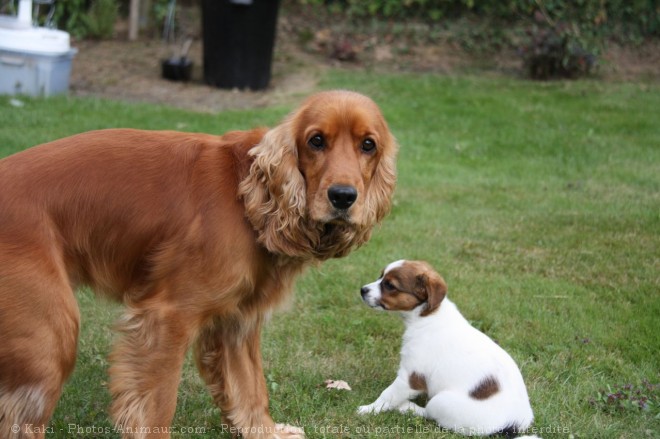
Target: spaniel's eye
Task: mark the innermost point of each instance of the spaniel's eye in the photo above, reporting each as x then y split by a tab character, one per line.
316	142
368	145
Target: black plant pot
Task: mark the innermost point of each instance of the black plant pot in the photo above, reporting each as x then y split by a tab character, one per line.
177	69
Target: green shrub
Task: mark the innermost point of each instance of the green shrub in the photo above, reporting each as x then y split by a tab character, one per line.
87	18
550	53
70	16
558	50
100	19
621	18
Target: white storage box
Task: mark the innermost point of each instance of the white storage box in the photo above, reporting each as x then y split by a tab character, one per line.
34	74
34	61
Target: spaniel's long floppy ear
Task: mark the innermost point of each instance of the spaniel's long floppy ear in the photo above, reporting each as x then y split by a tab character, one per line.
435	289
274	193
379	195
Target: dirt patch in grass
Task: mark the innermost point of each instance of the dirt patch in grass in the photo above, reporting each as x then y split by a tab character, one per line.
131	71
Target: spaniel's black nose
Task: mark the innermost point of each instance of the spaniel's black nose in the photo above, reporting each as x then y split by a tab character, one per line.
342	197
364	291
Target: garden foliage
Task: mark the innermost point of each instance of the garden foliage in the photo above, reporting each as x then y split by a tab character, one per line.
560	38
635	17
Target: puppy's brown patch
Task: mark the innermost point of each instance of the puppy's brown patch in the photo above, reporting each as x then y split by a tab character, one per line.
488	387
417	382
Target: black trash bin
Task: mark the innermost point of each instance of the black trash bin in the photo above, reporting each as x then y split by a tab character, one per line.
239	36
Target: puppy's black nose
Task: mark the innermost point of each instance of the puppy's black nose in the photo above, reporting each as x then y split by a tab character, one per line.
364	291
342	197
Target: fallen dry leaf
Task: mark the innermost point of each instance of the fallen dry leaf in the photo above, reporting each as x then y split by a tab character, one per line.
337	384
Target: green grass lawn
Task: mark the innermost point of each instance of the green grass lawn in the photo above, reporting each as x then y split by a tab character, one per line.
538	203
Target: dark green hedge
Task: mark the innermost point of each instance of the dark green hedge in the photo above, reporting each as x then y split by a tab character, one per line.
632	17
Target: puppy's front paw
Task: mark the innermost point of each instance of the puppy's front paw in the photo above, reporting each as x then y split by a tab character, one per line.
368	409
411	407
284	431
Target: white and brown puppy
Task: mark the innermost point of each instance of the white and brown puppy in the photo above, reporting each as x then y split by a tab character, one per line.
474	387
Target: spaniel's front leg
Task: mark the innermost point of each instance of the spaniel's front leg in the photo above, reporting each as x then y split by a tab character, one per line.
146	367
228	355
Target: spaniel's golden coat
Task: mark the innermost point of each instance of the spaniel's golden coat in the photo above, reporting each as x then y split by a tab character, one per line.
199	236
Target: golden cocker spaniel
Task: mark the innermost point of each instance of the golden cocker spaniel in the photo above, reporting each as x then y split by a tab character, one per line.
199	236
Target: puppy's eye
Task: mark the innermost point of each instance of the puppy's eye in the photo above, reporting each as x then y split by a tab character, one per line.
316	142
368	146
388	285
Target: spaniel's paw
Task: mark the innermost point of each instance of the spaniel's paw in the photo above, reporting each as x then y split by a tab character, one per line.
284	431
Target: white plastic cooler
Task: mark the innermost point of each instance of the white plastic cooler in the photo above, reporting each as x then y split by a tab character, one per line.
34	61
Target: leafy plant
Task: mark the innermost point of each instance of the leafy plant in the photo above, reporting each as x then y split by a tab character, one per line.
555	51
70	16
100	19
87	18
645	398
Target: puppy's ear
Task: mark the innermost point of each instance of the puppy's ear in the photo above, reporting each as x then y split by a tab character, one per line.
433	286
